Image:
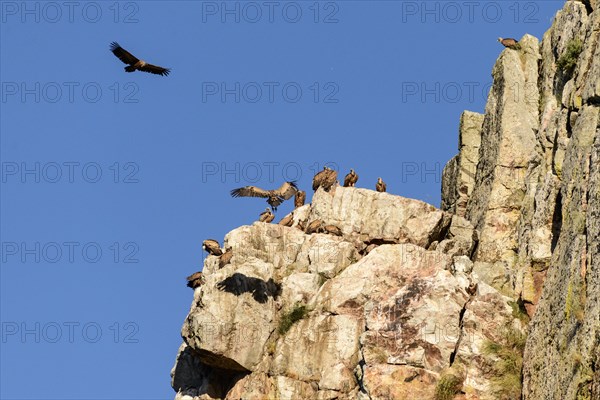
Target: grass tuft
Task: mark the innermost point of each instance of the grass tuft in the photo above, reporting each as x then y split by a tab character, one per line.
447	387
290	318
568	60
507	370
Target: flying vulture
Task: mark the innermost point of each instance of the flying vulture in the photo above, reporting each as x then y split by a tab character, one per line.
212	247
350	179
266	216
274	197
226	257
135	63
380	186
510	43
288	220
325	179
194	280
299	198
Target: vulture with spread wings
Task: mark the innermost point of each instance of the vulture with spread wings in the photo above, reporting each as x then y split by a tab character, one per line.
274	197
135	63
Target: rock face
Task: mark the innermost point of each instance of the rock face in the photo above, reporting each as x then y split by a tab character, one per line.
296	315
392	298
459	174
535	200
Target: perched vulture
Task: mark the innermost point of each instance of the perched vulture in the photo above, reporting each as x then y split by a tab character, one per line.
266	216
299	198
212	247
333	230
274	197
301	225
325	179
350	179
510	43
225	258
135	63
288	220
314	227
380	186
472	288
194	280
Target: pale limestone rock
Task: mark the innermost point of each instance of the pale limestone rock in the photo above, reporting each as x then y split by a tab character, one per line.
508	148
461	238
396	309
379	216
459	174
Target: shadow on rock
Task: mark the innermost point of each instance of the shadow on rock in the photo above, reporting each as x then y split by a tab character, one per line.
240	283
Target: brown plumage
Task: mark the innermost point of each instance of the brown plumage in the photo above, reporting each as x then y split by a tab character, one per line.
472	289
301	225
212	247
195	280
350	179
380	186
333	230
314	227
274	197
225	258
325	179
510	43
266	216
288	220
299	198
135	63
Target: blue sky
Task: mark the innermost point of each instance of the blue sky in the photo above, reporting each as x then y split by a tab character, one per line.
111	181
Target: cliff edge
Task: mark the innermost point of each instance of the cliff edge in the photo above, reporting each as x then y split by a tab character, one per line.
495	295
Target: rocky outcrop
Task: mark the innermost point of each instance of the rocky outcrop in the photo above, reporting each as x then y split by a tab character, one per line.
391	298
563	346
458	178
535	198
296	315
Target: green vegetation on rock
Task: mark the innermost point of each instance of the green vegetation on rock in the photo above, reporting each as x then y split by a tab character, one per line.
290	318
507	369
448	386
568	60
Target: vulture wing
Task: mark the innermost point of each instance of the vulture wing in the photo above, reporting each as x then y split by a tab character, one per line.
299	198
154	69
194	276
250	191
329	179
347	180
318	179
287	190
123	54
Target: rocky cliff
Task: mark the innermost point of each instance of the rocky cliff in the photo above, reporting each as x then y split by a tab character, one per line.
495	295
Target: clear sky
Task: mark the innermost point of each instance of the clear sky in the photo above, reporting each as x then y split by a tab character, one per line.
111	181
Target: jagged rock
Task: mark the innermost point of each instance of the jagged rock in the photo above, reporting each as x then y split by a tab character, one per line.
508	147
352	303
563	343
460	239
380	216
459	174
